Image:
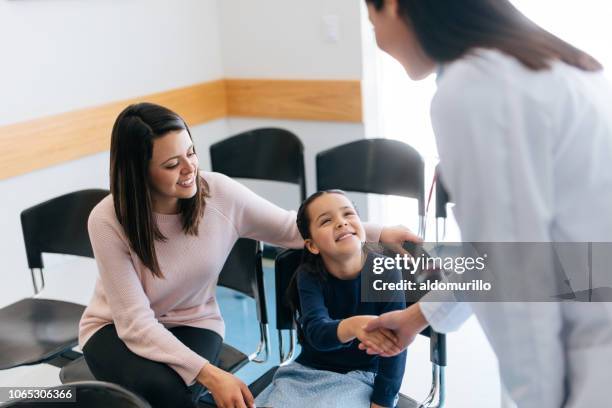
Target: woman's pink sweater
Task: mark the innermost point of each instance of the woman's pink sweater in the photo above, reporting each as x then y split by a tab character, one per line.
143	307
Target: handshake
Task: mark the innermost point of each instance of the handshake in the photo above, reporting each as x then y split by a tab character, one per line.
386	335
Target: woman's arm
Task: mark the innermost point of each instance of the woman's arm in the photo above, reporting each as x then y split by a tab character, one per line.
257	218
130	307
135	320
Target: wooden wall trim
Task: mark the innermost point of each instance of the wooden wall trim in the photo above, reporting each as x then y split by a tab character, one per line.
42	142
295	99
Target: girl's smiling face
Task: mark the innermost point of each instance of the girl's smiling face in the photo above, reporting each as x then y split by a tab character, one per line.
335	228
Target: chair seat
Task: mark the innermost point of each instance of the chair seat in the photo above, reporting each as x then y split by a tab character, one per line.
35	330
76	370
407	402
91	394
230	360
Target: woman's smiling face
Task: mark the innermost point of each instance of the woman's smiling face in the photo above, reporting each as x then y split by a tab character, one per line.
173	171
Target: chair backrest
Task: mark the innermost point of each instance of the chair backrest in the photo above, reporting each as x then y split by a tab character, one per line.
243	272
442	197
380	166
285	265
90	394
265	154
59	225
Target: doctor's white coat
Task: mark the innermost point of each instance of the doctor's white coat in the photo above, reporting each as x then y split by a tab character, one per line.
527	156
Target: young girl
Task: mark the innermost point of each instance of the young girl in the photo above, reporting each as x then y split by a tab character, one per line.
331	371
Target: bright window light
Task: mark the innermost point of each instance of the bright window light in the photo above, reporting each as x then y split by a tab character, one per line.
404	104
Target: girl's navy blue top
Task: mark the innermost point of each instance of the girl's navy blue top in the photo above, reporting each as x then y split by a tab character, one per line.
323	304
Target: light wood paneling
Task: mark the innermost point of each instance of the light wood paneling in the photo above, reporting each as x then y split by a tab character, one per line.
295	99
43	142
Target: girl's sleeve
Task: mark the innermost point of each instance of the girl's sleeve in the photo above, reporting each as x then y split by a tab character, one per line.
257	218
388	379
132	315
320	330
390	369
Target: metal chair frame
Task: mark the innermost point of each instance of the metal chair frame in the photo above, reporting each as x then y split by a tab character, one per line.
58	225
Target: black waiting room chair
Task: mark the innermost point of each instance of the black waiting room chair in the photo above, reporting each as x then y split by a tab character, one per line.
286	264
262	154
35	330
242	272
378	166
87	394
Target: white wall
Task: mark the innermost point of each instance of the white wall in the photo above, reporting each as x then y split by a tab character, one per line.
67	54
257	43
62	55
287	39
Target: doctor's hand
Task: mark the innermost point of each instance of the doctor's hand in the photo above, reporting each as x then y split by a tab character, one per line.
405	324
227	390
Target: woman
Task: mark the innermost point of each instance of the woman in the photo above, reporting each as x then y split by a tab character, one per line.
160	240
523	123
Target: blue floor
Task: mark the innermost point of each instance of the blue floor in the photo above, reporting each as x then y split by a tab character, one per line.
242	330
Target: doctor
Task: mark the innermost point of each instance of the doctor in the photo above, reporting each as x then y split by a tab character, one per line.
523	123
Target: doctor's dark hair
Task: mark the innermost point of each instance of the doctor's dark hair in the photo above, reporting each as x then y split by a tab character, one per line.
311	263
448	30
134	131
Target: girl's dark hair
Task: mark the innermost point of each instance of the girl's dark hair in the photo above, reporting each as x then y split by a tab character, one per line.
131	151
311	263
447	30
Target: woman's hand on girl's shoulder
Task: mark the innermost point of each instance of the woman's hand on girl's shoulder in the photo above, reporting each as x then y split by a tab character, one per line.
227	390
395	236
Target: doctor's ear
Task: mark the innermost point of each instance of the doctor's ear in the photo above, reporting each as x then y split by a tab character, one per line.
391	8
311	246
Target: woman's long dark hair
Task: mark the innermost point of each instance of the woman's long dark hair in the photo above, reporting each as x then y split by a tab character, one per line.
448	30
131	151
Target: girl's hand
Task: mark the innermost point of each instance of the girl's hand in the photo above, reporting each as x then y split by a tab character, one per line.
354	327
381	339
405	324
373	405
227	390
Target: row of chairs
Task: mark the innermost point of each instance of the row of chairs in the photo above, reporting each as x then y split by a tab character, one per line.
379	166
38	330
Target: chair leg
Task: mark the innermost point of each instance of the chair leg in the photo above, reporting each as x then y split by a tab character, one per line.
286	358
422	226
437	394
37	289
263	346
